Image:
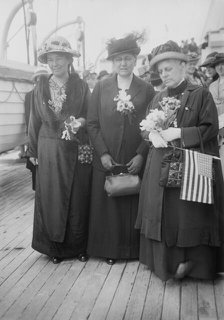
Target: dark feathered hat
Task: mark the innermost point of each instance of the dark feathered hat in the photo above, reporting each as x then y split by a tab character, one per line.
210	58
168	50
124	45
219	58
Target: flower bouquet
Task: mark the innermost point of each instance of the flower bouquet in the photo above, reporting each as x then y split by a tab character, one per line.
71	128
124	104
161	119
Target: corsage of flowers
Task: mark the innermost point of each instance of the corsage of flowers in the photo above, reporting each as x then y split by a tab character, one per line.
71	128
124	104
162	119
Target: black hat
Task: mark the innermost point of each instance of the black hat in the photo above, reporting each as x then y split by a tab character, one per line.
219	58
209	59
102	74
168	50
124	45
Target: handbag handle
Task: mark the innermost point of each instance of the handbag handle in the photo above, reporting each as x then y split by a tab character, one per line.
119	168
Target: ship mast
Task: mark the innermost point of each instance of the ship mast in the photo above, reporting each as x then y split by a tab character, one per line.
31	22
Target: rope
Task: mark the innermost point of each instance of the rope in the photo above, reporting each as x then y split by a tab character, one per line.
26	33
14	89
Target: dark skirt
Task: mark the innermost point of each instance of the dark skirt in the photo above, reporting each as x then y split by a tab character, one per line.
111	228
181	242
76	234
164	260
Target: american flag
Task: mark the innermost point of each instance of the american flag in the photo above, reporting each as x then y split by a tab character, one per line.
197	177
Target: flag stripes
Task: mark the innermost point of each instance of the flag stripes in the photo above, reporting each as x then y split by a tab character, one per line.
197	177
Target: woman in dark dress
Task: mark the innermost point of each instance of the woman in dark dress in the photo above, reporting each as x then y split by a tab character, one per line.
56	128
116	139
180	238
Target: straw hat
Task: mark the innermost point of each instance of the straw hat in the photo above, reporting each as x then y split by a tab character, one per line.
168	50
56	44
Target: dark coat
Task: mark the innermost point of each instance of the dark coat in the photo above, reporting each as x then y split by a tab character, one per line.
194	223
105	124
58	197
111	132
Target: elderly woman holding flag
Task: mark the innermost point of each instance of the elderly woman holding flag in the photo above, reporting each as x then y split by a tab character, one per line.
180	212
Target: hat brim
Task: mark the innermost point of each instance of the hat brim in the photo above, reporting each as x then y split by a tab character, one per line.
134	51
218	61
193	59
167	56
43	56
208	63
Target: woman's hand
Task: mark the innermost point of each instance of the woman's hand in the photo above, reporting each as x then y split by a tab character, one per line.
134	166
171	134
157	140
107	161
34	161
82	121
145	135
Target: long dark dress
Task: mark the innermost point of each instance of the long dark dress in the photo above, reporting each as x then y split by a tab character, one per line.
63	184
111	229
172	230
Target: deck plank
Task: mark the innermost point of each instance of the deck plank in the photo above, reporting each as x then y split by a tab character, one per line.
122	296
219	296
206	301
154	299
74	296
171	302
84	307
56	299
107	293
41	298
189	297
137	299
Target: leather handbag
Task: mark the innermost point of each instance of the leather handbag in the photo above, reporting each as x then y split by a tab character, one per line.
122	184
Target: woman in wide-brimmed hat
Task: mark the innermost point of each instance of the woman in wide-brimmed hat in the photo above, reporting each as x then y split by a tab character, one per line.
210	71
192	73
217	90
179	237
56	132
118	105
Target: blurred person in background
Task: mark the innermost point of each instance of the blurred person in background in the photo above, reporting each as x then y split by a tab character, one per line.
193	75
217	90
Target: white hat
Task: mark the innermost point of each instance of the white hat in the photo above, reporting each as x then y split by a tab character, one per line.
56	44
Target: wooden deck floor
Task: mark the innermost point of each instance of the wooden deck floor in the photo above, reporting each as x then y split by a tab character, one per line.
31	287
